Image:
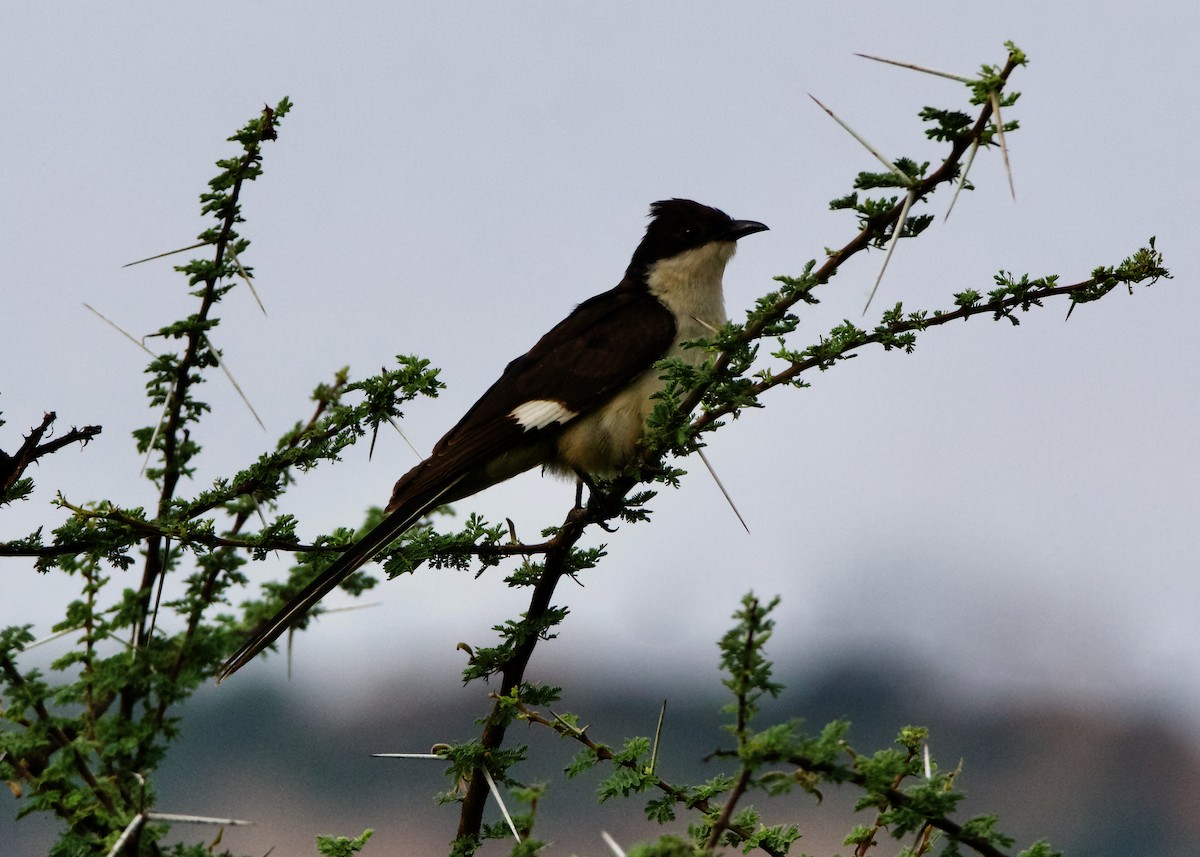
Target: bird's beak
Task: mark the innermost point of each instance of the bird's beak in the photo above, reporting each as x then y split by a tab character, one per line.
742	228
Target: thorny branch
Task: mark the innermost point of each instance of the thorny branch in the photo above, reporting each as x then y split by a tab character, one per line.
12	466
604	507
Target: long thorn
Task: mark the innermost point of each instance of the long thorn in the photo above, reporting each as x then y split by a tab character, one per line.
896	230
326	611
705	324
892	167
134	824
179	818
374	435
162	581
407	756
120	329
962	179
721	485
216	354
662	714
1003	145
500	801
404	437
920	68
612	843
237	264
154	435
168	253
50	639
141	345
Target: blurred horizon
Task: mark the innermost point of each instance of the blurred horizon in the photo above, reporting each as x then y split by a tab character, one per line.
1105	782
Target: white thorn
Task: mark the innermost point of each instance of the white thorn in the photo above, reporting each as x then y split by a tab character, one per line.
179	818
704	324
51	638
892	167
896	230
154	435
245	276
216	354
499	800
612	843
920	68
962	179
350	607
404	437
407	756
168	253
120	329
1003	145
133	825
721	485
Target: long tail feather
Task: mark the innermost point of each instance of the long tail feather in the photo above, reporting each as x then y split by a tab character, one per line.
358	555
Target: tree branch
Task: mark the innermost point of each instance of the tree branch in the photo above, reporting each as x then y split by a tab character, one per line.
12	466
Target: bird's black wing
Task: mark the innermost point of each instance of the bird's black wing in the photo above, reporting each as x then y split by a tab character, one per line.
591	354
583	360
604	344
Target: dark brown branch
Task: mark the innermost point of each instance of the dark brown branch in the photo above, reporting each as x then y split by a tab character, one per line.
12	466
600	508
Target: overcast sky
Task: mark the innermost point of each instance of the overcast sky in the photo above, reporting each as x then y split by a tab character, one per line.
1017	506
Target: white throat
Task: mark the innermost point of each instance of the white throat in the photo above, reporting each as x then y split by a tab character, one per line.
689	285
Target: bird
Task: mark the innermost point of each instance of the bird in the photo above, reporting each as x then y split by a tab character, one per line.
576	403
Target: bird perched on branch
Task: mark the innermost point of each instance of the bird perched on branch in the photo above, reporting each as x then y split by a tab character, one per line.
576	403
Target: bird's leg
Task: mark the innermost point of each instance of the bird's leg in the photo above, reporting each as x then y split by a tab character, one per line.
581	480
594	493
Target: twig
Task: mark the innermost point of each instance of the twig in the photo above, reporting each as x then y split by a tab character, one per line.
12	466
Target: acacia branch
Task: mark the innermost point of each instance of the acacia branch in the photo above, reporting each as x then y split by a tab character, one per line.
888	332
601	507
12	466
874	230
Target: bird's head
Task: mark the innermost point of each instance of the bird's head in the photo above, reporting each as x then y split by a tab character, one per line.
680	226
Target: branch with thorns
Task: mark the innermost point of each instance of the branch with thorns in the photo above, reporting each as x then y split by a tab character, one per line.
13	466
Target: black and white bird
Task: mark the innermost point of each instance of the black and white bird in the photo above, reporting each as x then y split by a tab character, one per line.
576	403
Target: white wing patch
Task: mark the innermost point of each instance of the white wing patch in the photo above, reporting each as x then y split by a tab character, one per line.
539	413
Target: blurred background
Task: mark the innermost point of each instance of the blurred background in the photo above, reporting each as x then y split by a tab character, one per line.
995	536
